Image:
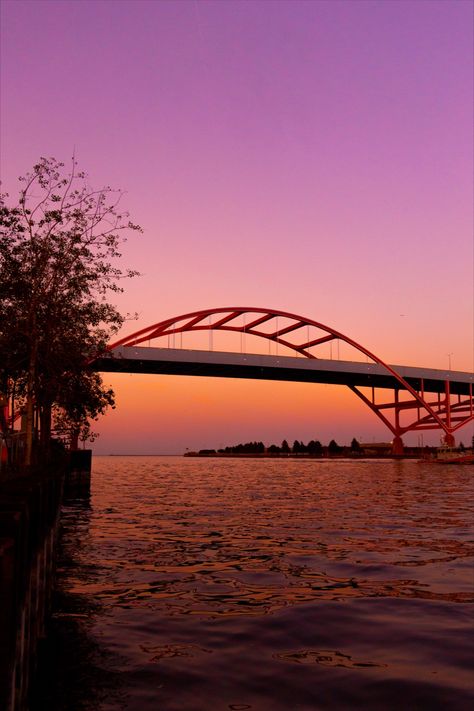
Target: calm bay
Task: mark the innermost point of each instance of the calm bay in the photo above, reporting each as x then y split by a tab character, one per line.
213	584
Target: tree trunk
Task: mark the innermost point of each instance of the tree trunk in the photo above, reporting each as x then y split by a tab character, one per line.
74	441
30	406
45	431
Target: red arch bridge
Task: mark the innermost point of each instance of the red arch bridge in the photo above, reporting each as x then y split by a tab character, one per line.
419	398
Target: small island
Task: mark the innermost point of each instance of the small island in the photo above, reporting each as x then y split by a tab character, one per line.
312	450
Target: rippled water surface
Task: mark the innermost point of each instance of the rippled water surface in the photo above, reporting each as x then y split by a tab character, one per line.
214	584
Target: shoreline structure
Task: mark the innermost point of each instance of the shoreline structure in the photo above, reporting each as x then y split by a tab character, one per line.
30	508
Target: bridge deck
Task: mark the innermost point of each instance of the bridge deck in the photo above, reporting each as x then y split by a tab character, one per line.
171	361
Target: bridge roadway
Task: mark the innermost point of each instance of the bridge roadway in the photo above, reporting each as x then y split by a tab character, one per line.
172	361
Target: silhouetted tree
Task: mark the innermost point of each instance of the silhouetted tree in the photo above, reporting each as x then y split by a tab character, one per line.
285	448
355	446
58	250
333	447
315	447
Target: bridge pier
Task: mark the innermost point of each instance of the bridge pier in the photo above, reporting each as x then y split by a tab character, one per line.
397	446
449	440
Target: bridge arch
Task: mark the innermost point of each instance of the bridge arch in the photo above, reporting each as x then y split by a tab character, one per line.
440	414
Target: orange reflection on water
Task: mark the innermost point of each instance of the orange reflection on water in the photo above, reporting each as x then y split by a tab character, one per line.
219	575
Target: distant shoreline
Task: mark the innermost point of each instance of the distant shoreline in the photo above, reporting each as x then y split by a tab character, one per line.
277	455
267	455
126	454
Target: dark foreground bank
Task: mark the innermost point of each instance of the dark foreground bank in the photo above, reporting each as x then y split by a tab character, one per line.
30	505
29	512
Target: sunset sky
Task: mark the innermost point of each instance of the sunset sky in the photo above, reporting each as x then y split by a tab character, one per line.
314	157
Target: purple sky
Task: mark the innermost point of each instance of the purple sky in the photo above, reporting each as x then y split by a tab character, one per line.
315	157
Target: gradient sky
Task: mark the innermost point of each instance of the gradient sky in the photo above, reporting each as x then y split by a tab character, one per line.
314	157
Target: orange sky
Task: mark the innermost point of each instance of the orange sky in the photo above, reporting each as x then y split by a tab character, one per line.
169	414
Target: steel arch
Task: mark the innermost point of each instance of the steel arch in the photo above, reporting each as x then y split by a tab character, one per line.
439	415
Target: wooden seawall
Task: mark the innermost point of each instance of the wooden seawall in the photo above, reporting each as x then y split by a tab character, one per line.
29	516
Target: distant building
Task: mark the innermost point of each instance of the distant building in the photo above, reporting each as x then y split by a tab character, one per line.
376	447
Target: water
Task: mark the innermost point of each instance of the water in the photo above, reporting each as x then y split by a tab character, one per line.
214	584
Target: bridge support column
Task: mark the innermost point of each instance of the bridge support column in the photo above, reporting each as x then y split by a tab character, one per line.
449	440
397	446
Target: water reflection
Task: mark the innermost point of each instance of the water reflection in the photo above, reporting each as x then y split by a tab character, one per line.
263	584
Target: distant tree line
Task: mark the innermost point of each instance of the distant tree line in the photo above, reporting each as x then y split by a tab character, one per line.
247	448
313	448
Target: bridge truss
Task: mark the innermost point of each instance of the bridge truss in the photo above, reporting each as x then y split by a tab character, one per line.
407	410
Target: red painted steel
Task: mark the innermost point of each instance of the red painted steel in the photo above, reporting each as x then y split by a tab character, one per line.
441	414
